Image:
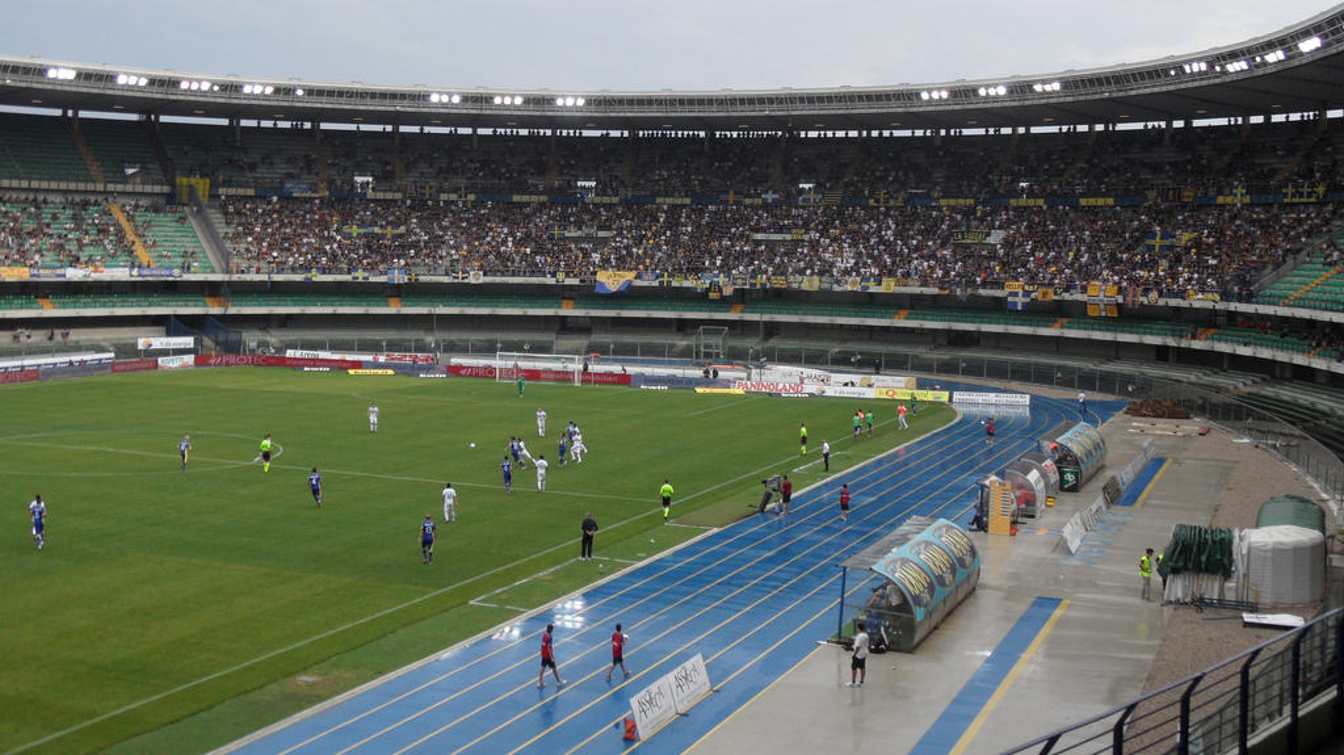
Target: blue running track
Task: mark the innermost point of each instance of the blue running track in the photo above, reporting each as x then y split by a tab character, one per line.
753	598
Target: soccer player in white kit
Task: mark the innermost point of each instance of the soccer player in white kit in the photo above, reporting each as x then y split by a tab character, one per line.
373	417
577	449
541	423
523	452
449	503
541	465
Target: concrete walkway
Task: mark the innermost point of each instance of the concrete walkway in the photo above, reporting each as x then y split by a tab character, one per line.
1095	656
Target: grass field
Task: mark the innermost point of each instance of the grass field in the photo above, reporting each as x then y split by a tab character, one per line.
174	611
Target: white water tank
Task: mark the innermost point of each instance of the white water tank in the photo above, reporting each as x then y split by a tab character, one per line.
1283	564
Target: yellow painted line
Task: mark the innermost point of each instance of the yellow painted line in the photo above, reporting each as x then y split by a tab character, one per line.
137	244
974	728
1152	483
748	703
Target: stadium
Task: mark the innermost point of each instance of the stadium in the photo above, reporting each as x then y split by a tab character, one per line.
922	380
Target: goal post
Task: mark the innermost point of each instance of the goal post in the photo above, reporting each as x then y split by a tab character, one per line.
553	367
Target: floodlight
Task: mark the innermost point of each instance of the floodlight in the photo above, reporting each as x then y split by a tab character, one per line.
1001	90
141	81
517	99
270	89
923	95
569	102
559	101
1308	45
205	86
982	91
498	100
579	101
298	92
121	79
456	98
183	84
1277	56
195	85
247	89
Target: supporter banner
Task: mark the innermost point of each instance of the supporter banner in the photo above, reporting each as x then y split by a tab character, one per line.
155	272
73	370
14	274
41	273
840	391
18	376
135	365
437	374
110	273
998	399
366	371
58	360
407	358
671	381
795	375
904	394
766	386
76	273
542	376
181	361
613	281
723	391
165	342
315	369
258	360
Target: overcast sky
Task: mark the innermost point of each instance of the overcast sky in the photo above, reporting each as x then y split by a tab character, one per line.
631	44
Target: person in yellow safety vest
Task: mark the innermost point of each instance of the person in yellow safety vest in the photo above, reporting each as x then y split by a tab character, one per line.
665	493
1146	573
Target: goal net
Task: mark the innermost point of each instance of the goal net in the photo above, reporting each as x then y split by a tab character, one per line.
549	368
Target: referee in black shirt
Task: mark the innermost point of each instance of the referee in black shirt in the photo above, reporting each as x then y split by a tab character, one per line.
589	527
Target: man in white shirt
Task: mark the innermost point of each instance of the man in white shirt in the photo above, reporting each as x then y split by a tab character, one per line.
826	454
578	449
541	423
523	452
449	503
373	417
859	659
1082	405
541	465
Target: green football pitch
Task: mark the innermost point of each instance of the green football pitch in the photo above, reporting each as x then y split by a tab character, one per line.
173	611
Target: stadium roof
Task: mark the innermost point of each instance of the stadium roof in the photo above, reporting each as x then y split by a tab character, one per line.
1299	68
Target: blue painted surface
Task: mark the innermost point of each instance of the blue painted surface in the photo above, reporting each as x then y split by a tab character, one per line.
753	598
942	736
1141	481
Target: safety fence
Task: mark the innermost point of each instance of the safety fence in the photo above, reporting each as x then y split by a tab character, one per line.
1227	708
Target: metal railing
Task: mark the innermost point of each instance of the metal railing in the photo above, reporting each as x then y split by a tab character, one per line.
1220	709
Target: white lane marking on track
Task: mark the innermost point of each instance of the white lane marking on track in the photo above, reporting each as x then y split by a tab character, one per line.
357	622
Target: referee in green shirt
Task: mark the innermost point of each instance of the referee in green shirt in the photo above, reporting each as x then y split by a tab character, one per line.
665	492
265	448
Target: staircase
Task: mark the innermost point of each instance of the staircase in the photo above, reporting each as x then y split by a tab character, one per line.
208	222
90	162
1322	278
137	243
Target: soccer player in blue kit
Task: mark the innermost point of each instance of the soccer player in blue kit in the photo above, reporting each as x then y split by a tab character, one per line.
427	528
315	485
507	469
38	511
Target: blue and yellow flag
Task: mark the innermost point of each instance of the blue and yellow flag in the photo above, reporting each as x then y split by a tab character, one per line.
1159	240
613	281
